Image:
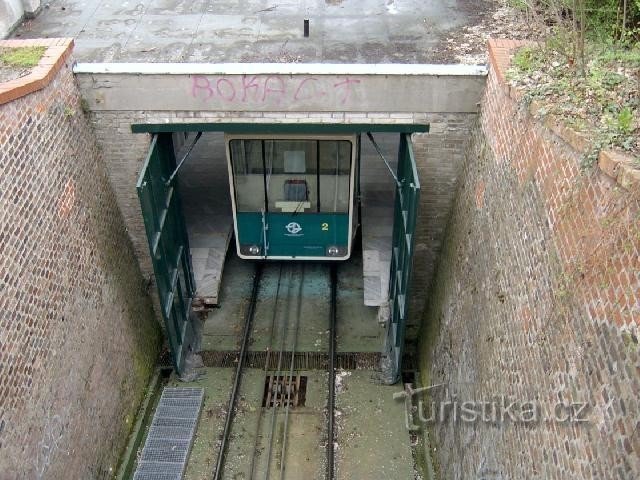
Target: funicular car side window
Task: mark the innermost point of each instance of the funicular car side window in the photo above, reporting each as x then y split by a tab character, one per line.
248	174
335	170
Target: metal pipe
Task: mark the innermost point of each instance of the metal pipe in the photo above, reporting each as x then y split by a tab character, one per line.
375	145
175	172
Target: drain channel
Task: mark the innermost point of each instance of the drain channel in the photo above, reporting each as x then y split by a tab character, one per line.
283	391
302	360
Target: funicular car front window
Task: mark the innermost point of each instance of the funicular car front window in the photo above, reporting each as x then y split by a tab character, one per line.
300	176
291	175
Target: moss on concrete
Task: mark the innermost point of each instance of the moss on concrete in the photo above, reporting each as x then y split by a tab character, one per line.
21	57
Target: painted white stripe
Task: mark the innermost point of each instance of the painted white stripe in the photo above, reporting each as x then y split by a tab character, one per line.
279	69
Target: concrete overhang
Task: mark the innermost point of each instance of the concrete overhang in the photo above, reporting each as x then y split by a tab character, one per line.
279	87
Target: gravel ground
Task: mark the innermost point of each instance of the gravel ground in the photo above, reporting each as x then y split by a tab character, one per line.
498	20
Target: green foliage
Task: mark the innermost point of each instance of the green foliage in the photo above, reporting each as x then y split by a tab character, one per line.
559	41
611	79
518	4
606	19
22	57
84	105
599	19
625	120
597	98
629	56
590	158
527	59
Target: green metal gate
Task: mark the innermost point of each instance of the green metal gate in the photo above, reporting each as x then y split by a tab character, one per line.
168	244
404	226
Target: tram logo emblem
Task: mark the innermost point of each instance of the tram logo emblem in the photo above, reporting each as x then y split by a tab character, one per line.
293	228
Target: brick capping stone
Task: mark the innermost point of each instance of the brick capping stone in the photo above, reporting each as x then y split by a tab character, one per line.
58	50
618	165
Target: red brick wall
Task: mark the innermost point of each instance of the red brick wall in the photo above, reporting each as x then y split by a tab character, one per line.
78	338
594	223
537	298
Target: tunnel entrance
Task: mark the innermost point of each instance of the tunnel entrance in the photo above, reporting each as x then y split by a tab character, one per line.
185	206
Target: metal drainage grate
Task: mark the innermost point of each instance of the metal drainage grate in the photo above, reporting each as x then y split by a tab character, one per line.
168	443
302	360
284	391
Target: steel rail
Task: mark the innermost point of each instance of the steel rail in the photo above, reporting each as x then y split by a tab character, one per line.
276	403
332	377
254	453
238	374
296	331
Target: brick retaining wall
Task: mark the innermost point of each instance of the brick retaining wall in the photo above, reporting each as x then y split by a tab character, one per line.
536	298
77	335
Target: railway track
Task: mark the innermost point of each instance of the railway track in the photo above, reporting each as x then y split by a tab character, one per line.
331	390
282	386
237	378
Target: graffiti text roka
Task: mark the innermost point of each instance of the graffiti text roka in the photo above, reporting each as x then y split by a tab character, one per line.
274	89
